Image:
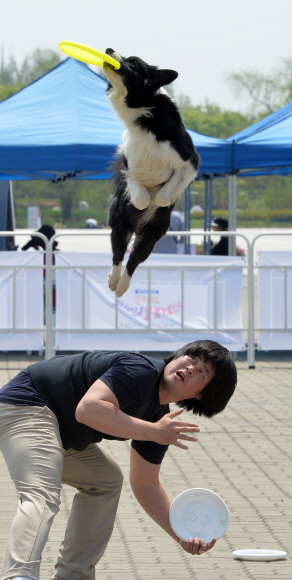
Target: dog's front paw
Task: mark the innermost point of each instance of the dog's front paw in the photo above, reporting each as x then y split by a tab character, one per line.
139	197
162	200
113	278
123	284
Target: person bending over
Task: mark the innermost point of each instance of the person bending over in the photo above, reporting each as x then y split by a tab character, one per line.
53	416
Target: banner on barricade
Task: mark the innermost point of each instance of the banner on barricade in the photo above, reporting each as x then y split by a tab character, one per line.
275	300
191	297
22	301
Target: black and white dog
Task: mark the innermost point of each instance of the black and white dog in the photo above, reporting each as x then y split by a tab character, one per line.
156	162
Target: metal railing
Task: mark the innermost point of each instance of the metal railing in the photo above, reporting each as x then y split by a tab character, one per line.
13	327
51	268
151	309
251	267
252	326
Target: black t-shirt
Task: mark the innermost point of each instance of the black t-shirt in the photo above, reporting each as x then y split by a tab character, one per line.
21	391
131	377
221	249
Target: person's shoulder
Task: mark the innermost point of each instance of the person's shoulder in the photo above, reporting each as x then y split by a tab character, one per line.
126	355
137	363
132	358
125	358
176	221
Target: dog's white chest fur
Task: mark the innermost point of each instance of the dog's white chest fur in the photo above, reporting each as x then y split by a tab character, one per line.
151	163
156	172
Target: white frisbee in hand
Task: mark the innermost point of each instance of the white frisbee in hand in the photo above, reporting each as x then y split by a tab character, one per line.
199	513
259	555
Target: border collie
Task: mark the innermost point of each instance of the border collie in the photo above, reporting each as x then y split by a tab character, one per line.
156	162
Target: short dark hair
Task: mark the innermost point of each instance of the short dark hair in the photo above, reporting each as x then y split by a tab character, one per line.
220	389
220	221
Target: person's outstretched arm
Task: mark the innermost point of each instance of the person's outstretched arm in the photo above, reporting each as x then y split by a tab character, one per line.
99	409
151	495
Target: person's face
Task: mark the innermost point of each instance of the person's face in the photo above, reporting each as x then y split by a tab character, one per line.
217	228
184	378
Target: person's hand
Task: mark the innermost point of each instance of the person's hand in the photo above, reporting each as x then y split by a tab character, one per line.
168	430
197	547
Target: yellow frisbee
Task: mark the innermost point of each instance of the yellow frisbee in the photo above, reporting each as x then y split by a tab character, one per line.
87	53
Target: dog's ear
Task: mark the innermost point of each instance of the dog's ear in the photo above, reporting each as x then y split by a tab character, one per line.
163	77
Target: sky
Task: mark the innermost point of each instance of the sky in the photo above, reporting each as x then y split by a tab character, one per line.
202	40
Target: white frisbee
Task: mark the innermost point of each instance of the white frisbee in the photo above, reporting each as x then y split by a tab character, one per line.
199	513
259	555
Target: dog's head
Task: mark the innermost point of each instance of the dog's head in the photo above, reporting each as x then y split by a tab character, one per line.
136	79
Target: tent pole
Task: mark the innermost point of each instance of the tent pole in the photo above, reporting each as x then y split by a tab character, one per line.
206	214
49	353
187	200
232	199
7	222
210	214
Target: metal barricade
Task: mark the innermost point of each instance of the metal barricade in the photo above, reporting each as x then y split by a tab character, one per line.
13	328
251	267
49	326
251	283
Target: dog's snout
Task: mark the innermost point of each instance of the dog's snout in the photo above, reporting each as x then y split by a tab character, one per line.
109	51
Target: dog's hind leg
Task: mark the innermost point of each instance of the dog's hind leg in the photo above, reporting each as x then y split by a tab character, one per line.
138	195
118	255
119	242
143	246
142	249
123	284
114	276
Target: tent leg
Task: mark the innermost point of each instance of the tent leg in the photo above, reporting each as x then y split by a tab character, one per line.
210	214
7	222
206	214
232	199
188	219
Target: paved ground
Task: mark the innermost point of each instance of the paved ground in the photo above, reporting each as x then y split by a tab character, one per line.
243	454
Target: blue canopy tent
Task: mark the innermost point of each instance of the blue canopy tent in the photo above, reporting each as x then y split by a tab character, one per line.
266	146
60	125
63	125
216	154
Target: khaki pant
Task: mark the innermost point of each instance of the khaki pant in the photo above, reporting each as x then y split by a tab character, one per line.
32	448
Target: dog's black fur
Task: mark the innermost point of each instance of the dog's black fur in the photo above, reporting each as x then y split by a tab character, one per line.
155	164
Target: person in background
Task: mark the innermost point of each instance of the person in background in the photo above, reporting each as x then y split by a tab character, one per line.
91	223
168	244
37	243
220	224
58	225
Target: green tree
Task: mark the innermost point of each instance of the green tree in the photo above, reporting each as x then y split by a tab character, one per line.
67	194
38	63
265	92
211	120
9	82
8	90
9	73
96	193
33	67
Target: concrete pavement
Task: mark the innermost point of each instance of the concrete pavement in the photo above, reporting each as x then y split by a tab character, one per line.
244	454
